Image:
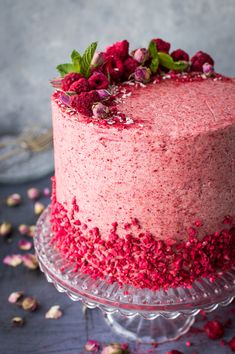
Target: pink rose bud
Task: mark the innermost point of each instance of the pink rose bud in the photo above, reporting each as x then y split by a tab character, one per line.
13	200
56	83
33	193
65	99
208	69
141	55
46	192
142	74
98	59
92	346
99	110
115	348
5	229
23	229
104	94
38	208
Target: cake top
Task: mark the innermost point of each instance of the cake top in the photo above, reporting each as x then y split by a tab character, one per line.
100	86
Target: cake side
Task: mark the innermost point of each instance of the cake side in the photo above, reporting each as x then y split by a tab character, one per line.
164	181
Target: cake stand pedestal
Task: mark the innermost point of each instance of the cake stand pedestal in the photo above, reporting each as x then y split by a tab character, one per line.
138	314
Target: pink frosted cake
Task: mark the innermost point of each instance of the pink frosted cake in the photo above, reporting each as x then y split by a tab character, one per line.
144	187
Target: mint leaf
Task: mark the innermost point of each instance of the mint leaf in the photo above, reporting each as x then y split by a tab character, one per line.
153	49
154	54
167	61
76	60
154	65
87	58
65	69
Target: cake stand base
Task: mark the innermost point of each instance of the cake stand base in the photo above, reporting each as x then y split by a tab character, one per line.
137	314
158	330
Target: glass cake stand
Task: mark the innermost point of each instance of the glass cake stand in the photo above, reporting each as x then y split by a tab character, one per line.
138	314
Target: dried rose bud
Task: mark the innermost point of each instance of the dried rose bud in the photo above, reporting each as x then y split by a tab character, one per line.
115	348
25	245
17	321
5	229
141	55
14	297
54	312
13	200
142	74
33	193
208	69
99	110
92	346
46	192
65	99
32	229
30	261
103	94
97	60
29	304
56	83
38	208
23	229
13	260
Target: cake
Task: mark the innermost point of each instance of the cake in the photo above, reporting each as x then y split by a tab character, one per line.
144	185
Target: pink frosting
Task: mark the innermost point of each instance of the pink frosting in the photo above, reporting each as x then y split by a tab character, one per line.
173	166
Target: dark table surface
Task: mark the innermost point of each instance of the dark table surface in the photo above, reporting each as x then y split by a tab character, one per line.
68	334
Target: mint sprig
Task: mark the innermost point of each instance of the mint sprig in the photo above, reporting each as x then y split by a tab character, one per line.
80	63
164	59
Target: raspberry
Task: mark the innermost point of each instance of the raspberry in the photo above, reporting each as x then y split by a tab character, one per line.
98	81
174	352
113	67
84	101
69	79
199	59
118	49
214	329
129	66
180	54
162	46
80	85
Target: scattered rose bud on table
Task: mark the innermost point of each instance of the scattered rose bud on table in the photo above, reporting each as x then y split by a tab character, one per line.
5	229
92	346
54	312
17	321
33	193
13	200
14	297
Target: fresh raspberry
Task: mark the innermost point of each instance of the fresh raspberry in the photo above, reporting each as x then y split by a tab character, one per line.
174	352
84	101
113	67
80	85
129	66
199	59
231	344
214	329
162	46
69	79
180	54
98	81
118	49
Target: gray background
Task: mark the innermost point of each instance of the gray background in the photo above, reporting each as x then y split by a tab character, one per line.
36	35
